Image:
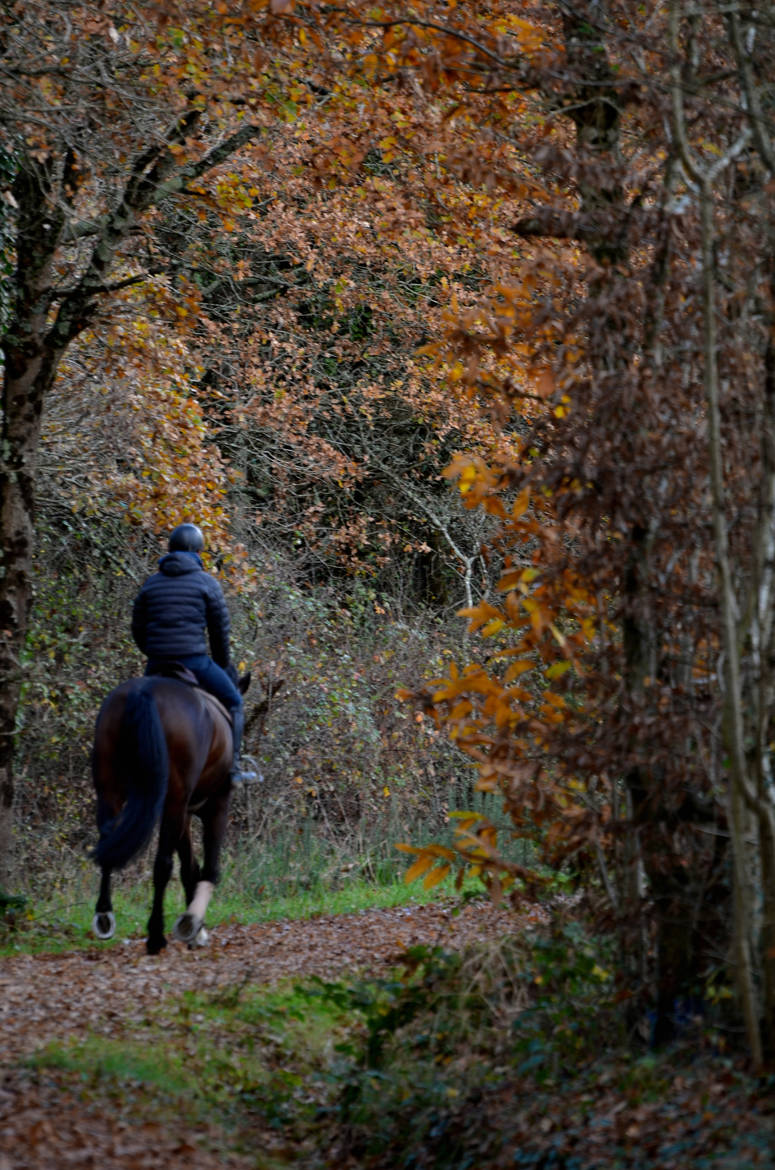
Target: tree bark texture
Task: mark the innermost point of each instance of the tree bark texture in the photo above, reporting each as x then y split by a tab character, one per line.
30	363
596	113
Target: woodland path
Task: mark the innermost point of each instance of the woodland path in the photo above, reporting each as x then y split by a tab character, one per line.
47	1125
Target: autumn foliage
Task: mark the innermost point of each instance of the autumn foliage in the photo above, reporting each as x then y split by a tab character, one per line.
467	304
625	354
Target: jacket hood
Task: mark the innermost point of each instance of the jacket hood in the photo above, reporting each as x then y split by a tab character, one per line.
175	564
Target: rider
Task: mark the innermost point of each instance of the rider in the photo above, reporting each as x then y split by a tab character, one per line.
175	612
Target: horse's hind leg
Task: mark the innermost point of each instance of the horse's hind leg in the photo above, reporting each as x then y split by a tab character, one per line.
189	870
162	871
190	926
104	921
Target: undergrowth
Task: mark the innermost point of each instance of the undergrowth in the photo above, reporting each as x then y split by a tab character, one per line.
514	1053
287	867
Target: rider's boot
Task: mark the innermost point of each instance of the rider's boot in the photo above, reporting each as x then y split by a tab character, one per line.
241	771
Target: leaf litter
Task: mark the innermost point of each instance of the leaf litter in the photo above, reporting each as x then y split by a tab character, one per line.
53	1115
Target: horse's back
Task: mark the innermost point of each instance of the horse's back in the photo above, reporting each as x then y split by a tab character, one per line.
176	701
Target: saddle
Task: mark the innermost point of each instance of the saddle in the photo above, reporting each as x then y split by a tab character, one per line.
176	671
180	673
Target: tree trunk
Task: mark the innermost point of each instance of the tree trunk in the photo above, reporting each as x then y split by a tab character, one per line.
30	361
734	720
16	544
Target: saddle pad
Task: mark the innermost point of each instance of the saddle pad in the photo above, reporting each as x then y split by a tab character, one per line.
177	671
180	673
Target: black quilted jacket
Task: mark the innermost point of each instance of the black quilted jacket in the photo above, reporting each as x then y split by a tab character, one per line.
178	608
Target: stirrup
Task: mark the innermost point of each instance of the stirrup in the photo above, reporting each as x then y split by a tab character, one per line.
245	771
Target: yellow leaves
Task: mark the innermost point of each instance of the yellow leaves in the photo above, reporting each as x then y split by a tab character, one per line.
478	484
520	505
517	578
558	636
388	147
484	617
436	876
455	372
518	668
467	820
538	616
494	626
530	36
370	65
149	447
433	863
588	628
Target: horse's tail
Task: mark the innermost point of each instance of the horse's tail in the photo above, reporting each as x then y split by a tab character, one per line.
141	754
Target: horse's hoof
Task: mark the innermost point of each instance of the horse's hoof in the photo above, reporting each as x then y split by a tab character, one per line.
187	928
104	924
202	938
155	946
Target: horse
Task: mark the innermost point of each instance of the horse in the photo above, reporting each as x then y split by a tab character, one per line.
162	752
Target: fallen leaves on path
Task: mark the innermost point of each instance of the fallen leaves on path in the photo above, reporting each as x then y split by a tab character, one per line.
106	990
53	997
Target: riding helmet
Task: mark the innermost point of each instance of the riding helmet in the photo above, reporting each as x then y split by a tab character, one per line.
186	538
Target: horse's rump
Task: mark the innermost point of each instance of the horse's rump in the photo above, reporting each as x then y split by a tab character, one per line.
130	767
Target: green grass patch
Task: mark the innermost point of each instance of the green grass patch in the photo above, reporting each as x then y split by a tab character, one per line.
243	1054
290	870
57	926
319	898
116	1065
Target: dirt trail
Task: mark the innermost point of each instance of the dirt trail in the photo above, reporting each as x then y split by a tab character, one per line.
108	990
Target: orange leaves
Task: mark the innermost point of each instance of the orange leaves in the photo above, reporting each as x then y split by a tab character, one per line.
484	617
146	447
477	482
506	713
428	864
474	681
529	36
518	668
